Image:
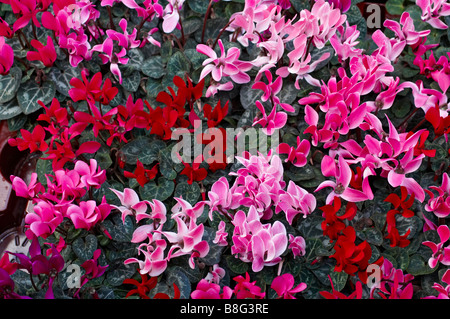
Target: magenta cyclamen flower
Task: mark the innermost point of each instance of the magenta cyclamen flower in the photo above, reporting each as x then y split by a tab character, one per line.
6	57
107	54
440	253
341	186
296	155
43	220
210	290
272	122
284	286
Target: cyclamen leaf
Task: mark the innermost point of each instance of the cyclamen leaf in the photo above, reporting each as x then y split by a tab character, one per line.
9	84
84	247
62	76
191	193
9	110
160	190
154	67
30	92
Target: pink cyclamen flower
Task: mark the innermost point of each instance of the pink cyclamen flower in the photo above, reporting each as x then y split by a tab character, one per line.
432	10
209	290
154	263
440	205
341	187
43	220
283	285
6	57
221	235
86	214
108	55
405	30
172	15
271	90
296	200
131	204
45	53
272	122
297	245
440	253
296	155
220	197
27	191
91	175
215	274
257	243
228	64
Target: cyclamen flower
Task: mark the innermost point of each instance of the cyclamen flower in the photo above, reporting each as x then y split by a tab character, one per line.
272	122
87	214
210	290
46	54
125	40
257	243
172	15
296	155
405	30
297	245
284	286
221	235
393	283
440	205
245	289
154	262
107	54
131	204
341	187
228	64
432	10
440	253
296	200
6	57
43	220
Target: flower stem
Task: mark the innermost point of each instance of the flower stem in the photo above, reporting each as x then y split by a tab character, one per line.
208	11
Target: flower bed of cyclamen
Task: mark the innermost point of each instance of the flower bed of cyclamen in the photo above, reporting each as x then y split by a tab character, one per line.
352	203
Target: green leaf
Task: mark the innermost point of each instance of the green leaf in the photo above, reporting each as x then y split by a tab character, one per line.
130	82
215	251
121	232
9	110
178	64
43	167
84	247
339	279
166	164
419	266
153	87
236	265
30	93
160	190
179	278
61	77
249	96
118	272
395	7
9	84
154	67
142	148
199	6
190	193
